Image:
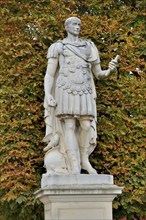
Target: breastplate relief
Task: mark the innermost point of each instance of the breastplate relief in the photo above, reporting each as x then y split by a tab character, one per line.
75	74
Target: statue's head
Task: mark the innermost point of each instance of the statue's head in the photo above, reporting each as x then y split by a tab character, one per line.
73	25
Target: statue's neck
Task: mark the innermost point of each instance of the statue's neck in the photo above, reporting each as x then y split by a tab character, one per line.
72	38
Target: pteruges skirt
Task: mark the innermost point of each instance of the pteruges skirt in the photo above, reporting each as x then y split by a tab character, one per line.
69	104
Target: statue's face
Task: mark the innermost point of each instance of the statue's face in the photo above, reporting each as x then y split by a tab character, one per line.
74	27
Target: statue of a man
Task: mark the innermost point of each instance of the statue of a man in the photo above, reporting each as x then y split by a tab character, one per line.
70	98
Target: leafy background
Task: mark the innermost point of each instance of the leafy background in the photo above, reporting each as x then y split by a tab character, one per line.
28	28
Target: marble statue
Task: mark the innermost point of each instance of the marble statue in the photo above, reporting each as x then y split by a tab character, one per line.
70	102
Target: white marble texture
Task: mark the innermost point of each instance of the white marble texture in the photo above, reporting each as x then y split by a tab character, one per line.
70	102
78	197
76	180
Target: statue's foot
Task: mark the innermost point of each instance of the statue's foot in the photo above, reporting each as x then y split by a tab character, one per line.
87	166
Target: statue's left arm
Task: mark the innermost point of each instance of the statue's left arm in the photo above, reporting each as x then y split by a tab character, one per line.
96	68
99	73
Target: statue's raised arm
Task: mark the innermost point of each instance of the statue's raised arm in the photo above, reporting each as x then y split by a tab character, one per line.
99	73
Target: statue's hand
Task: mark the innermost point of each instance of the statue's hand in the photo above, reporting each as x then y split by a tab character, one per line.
51	101
114	63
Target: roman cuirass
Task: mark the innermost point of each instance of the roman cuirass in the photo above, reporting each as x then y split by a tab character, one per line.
75	72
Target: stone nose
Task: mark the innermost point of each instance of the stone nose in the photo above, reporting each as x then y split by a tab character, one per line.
77	27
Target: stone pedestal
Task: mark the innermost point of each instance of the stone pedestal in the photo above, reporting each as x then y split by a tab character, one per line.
78	197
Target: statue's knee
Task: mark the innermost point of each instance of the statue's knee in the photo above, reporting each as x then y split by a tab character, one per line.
70	126
85	125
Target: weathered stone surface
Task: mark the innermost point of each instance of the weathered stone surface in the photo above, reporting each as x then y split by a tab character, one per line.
70	102
78	197
75	180
70	116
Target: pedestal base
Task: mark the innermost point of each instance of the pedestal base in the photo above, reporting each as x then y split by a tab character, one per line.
78	197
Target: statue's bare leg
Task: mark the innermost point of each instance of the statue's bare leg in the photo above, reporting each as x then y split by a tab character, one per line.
84	141
72	147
